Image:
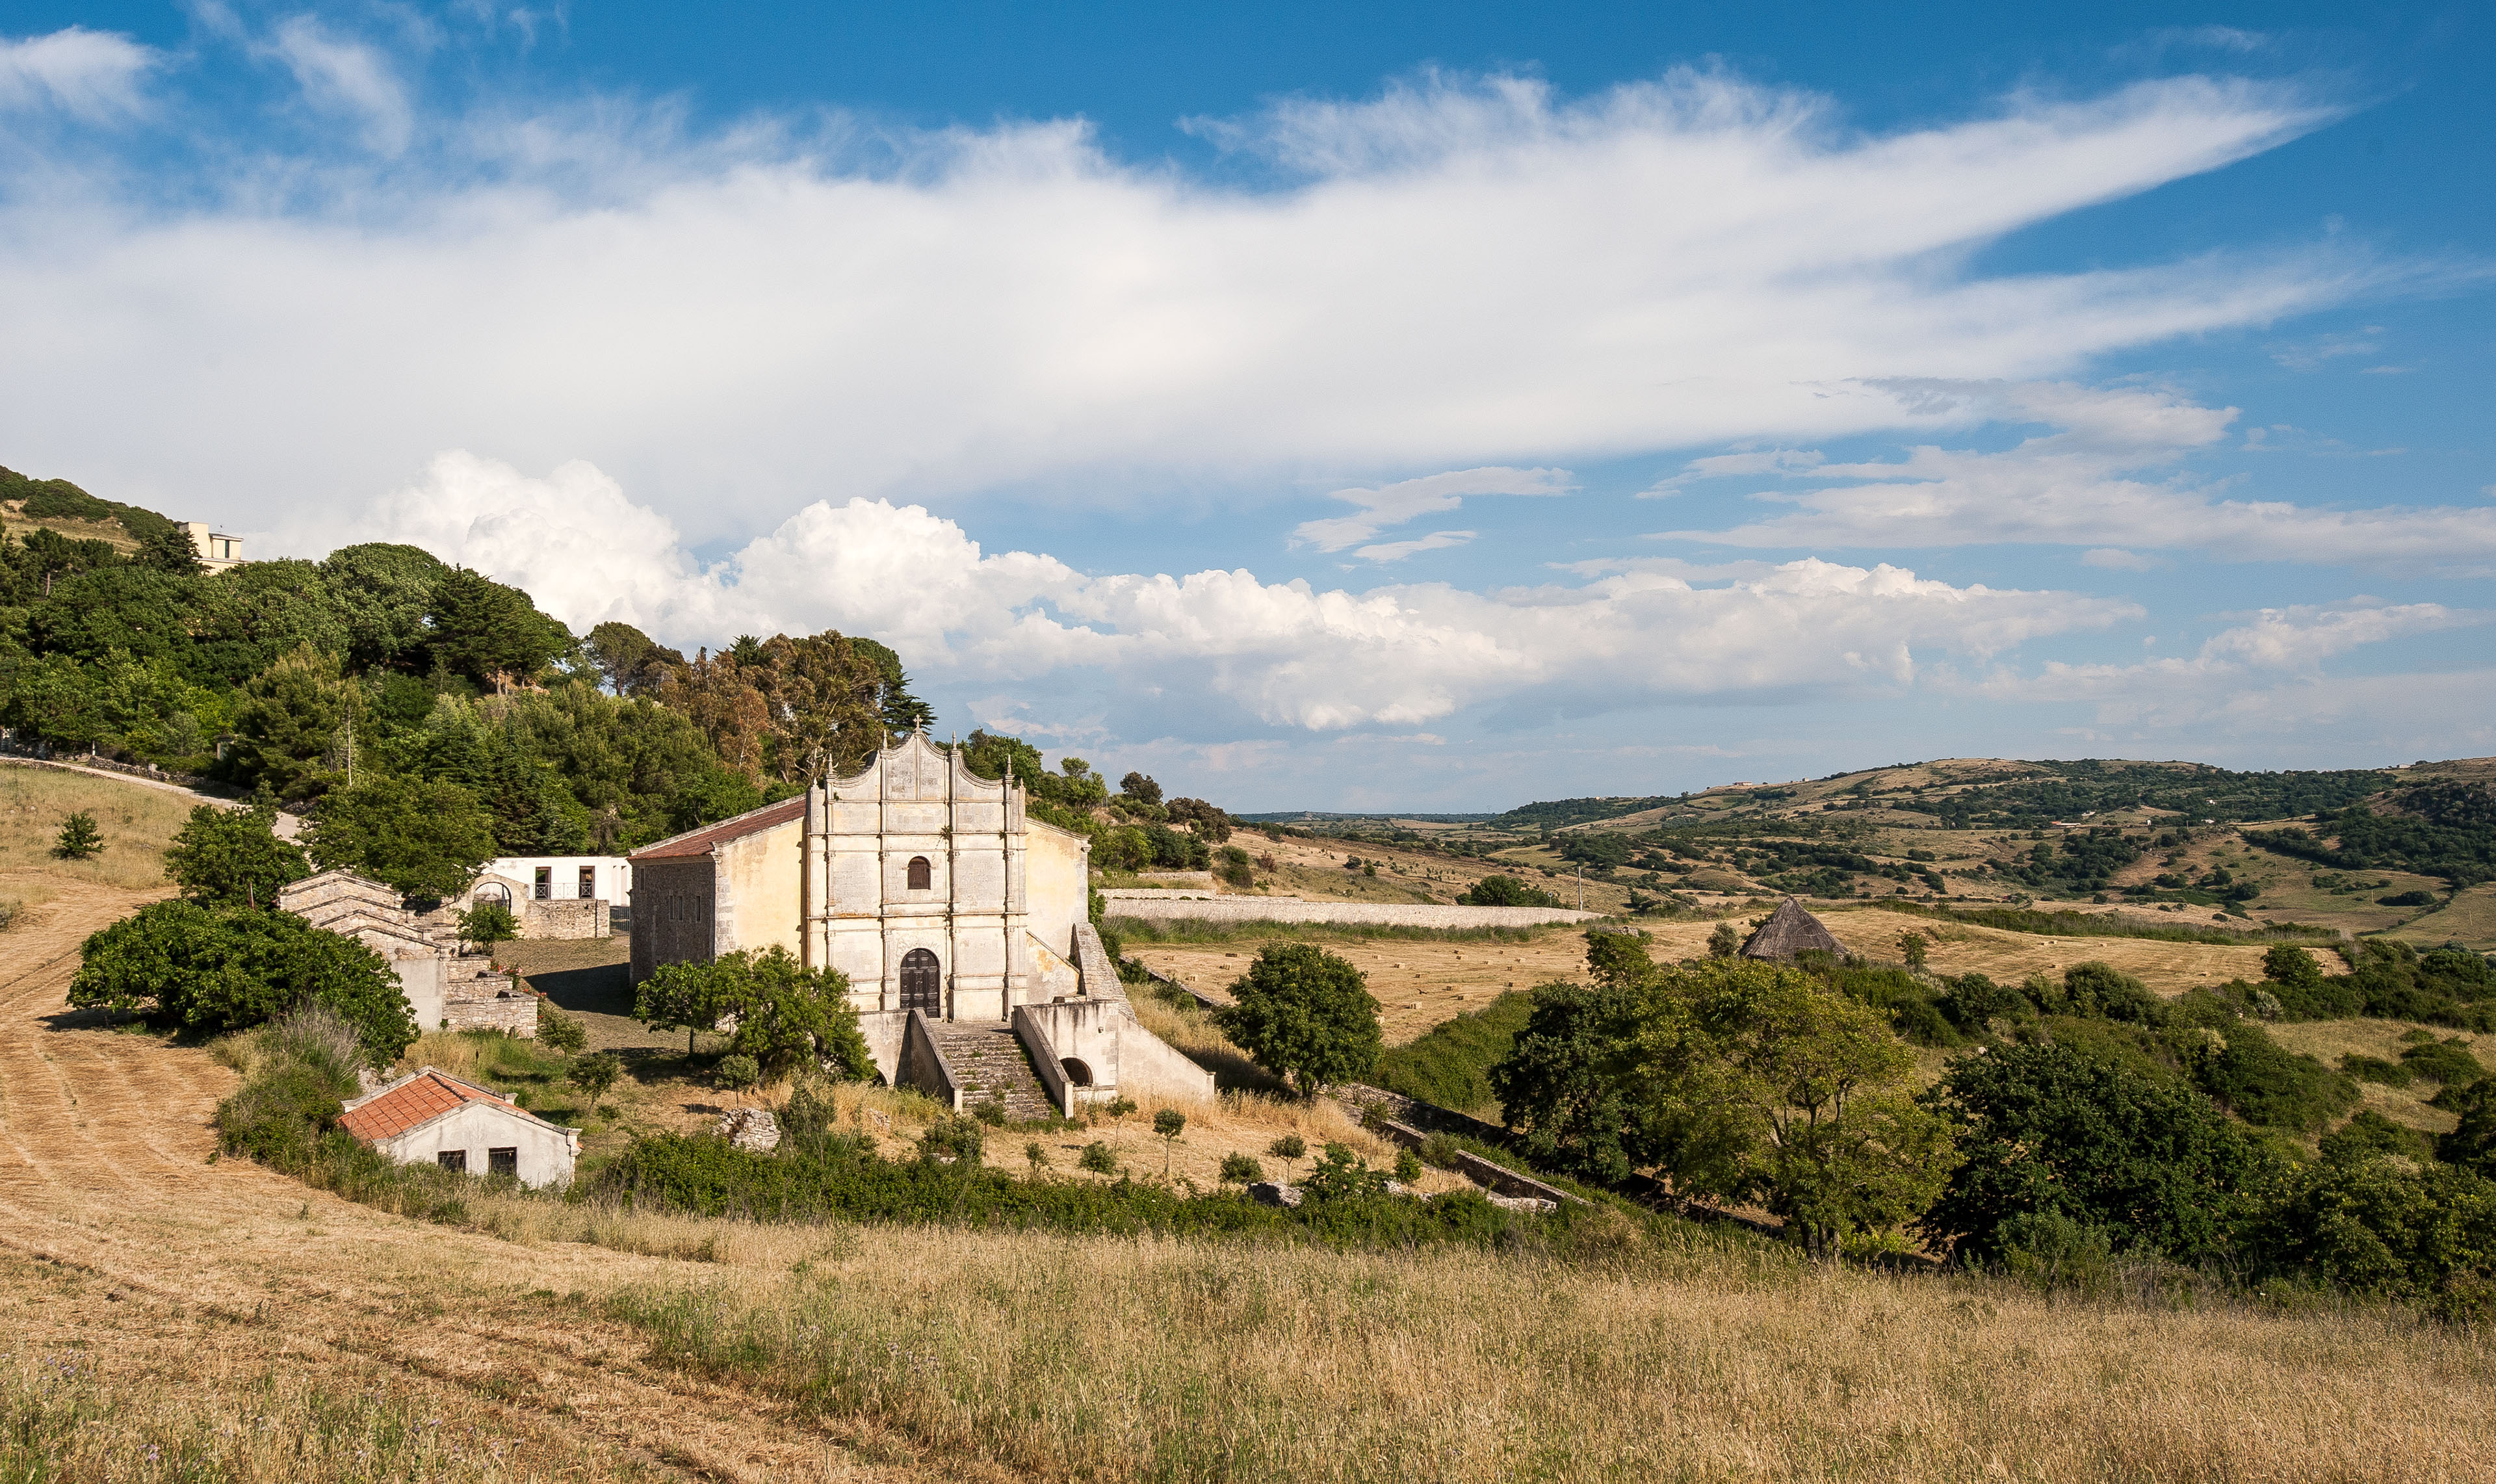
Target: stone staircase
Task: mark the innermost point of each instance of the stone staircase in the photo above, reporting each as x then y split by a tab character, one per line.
988	1064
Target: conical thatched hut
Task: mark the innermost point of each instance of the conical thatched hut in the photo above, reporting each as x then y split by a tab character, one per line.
1790	931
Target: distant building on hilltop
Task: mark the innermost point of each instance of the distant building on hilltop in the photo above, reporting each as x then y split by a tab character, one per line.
216	550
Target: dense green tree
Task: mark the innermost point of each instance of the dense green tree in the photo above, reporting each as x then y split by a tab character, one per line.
785	1015
233	857
1140	788
1566	1085
492	634
427	839
629	662
679	996
476	746
170	550
294	725
902	712
255	613
2047	1127
1305	1015
55	700
1762	1084
211	970
2253	1078
384	593
139	610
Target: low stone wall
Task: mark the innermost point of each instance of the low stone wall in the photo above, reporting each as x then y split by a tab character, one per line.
567	918
1414	915
473	1007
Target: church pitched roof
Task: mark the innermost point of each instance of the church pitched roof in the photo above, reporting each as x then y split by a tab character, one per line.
698	842
1790	931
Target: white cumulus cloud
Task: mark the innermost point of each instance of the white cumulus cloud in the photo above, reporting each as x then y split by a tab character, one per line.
1286	654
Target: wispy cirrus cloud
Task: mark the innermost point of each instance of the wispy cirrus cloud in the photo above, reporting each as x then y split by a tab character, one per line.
1460	272
94	76
1392	505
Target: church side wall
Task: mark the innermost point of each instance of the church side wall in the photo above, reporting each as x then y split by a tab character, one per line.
759	891
1056	874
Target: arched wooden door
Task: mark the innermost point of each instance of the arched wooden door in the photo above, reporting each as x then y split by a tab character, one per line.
922	982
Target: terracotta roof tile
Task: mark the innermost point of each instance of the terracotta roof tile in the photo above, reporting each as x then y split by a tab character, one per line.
425	1094
698	842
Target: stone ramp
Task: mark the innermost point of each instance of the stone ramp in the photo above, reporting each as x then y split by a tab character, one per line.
989	1064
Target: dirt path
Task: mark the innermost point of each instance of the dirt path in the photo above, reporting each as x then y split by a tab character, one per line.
105	1171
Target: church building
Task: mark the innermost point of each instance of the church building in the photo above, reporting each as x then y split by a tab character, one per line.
930	889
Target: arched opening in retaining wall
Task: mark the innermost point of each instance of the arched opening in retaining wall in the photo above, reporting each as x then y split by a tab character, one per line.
1075	1071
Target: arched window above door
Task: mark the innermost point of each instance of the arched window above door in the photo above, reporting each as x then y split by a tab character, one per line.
922	875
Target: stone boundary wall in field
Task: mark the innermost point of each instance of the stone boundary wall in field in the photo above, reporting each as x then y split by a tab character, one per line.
1413	914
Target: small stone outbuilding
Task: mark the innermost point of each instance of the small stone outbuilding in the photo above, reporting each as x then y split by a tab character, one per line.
432	1116
444	990
1790	931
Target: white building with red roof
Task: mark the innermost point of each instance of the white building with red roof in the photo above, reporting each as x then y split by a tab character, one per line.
431	1116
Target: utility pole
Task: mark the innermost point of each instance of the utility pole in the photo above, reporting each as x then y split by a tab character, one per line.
1581	888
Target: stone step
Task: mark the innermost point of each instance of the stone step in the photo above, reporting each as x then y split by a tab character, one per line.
989	1064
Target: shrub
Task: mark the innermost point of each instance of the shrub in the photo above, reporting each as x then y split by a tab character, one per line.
2050	1250
78	838
560	1032
1241	1169
2369	1135
2472	1145
1034	1155
1341	1175
1097	1158
737	1071
2407	899
1500	891
1290	1148
488	923
1408	1167
2390	1229
1441	1150
2374	1068
595	1074
2447	1062
991	1113
229	969
306	1066
2264	1085
952	1136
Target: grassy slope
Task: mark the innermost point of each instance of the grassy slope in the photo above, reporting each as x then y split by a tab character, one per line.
137	822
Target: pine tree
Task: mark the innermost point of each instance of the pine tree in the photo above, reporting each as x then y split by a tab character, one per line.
78	838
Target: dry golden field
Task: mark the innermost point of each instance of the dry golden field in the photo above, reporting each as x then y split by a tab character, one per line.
136	822
176	1315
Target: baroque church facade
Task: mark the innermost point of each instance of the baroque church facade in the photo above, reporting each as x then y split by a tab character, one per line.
926	885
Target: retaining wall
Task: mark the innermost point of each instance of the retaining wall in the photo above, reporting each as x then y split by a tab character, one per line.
1413	914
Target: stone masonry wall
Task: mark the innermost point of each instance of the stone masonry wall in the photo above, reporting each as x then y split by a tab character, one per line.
567	918
1415	914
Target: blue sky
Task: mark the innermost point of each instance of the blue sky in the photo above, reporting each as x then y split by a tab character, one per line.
1382	407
